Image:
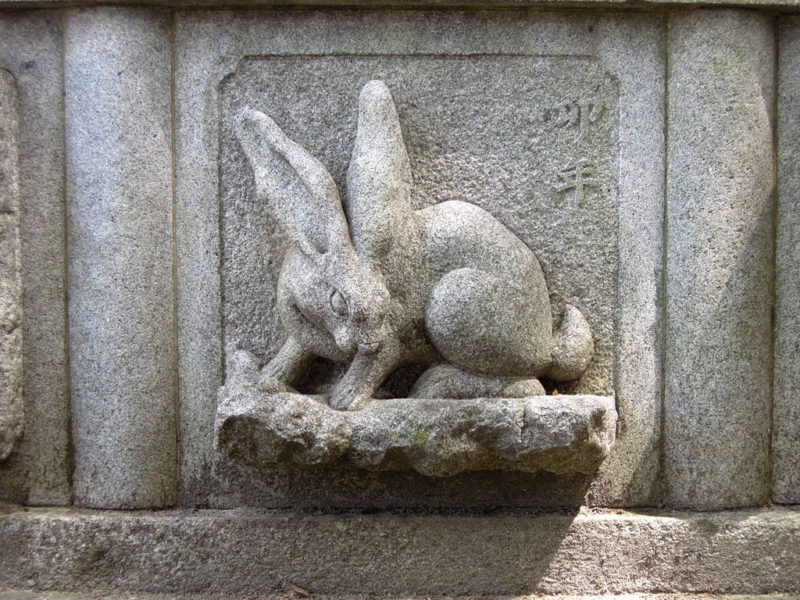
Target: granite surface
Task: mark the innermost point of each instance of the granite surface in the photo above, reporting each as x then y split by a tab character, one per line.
720	211
205	78
786	407
265	428
291	591
374	284
11	401
548	175
119	210
38	472
488	553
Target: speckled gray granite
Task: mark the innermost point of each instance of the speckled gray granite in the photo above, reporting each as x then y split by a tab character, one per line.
719	261
437	4
38	472
262	427
542	170
291	594
634	49
547	176
121	313
373	284
786	409
257	552
11	401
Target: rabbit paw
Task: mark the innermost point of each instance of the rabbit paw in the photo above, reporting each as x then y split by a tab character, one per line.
272	385
277	369
290	362
360	403
345	397
340	400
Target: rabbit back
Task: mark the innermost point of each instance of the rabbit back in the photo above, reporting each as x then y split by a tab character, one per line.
488	310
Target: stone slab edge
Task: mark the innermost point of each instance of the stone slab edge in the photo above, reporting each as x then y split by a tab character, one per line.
478	4
11	405
438	438
786	401
238	551
38	471
9	594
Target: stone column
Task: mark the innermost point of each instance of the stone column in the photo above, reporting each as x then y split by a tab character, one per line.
786	411
719	259
119	203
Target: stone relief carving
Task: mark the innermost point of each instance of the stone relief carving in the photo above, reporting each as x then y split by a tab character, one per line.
378	284
370	282
11	407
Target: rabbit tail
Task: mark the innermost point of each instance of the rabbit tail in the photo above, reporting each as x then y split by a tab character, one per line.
573	348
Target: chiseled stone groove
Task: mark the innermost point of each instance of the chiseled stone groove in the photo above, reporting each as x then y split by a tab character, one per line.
239	551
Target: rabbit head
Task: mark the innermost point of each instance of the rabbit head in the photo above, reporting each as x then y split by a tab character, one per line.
335	307
332	303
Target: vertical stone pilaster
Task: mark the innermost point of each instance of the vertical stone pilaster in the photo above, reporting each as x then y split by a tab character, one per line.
119	203
38	470
11	406
786	410
719	259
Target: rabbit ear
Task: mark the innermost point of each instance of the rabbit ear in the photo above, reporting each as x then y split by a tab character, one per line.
379	177
302	195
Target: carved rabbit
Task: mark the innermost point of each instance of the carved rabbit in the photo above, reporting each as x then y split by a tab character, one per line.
387	285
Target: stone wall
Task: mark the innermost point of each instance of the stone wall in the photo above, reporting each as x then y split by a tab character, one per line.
648	155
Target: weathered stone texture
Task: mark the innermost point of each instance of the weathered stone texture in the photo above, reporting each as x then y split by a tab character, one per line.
290	594
719	260
38	471
374	284
119	190
240	551
532	142
435	437
634	49
11	406
786	409
207	78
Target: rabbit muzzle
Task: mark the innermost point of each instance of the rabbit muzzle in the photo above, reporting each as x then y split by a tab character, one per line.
369	347
350	344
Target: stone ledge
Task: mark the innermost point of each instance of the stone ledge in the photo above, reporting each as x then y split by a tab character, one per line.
438	438
240	551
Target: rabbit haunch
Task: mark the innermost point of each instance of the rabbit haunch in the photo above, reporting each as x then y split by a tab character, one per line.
449	285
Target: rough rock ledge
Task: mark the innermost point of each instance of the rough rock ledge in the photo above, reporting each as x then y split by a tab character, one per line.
439	437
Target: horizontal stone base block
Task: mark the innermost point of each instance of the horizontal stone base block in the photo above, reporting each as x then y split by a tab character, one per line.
248	552
439	4
8	594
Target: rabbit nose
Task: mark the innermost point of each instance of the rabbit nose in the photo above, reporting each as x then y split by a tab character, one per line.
345	341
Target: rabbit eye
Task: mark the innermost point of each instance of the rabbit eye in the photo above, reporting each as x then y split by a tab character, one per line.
339	304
